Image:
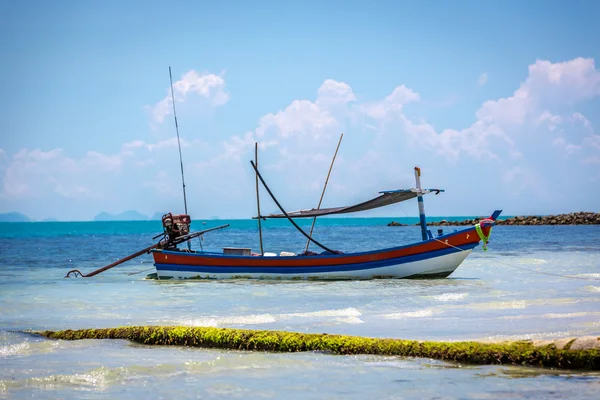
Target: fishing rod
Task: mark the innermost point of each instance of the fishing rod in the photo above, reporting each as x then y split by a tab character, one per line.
179	145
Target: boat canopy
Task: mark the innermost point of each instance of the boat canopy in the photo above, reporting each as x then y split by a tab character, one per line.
385	198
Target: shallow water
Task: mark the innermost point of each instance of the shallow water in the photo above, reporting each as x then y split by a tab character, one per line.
516	290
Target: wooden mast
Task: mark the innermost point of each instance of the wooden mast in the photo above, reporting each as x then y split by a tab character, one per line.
323	193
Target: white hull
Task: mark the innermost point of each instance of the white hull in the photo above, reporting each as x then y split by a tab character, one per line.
442	265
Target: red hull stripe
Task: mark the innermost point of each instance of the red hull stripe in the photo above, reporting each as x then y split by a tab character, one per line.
458	239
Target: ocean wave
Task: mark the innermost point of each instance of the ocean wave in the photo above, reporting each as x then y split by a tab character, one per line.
348	315
27	347
531	261
499	305
95	379
13	349
222	321
345	312
532	336
570	315
518	304
593	276
448	296
350	320
410	314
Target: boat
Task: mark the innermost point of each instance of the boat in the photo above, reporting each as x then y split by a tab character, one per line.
432	257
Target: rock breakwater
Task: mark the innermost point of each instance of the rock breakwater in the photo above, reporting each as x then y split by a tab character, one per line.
576	218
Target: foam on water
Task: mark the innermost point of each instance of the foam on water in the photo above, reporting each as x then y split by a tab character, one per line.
345	312
215	321
411	314
13	349
27	347
533	336
531	261
570	315
592	276
518	304
346	315
448	296
96	379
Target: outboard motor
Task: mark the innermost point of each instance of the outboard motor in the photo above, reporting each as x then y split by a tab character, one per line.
176	226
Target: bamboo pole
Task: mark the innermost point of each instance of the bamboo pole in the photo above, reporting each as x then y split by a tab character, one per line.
262	252
323	192
286	214
179	146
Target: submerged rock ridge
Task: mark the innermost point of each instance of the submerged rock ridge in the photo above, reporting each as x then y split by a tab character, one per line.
569	353
577	218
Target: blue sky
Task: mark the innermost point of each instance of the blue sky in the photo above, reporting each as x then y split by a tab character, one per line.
497	102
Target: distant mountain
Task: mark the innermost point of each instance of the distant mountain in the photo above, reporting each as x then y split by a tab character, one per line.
157	216
14	217
130	215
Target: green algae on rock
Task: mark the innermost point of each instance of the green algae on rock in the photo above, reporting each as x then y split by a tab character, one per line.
571	353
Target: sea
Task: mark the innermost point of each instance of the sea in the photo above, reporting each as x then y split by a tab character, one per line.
534	282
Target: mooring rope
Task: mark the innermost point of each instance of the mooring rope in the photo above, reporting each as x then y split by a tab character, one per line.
448	244
139	272
547	273
526	269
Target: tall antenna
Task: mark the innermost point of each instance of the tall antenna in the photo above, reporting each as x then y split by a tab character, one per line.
178	143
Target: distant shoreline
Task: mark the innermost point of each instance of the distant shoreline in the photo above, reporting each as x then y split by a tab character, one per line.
577	218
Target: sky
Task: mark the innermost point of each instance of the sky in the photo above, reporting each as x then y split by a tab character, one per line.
498	103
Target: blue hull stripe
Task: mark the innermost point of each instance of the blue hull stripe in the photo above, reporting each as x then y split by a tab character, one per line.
315	269
412	245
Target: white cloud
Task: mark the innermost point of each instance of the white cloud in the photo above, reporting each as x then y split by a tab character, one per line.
302	117
209	86
482	79
567	82
42	165
333	92
171	142
569	148
29	173
392	105
111	162
548	84
552	121
380	138
586	123
593	141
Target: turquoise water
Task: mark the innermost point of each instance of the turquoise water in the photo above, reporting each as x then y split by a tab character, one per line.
509	292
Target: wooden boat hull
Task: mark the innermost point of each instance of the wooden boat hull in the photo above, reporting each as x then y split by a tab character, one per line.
433	258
